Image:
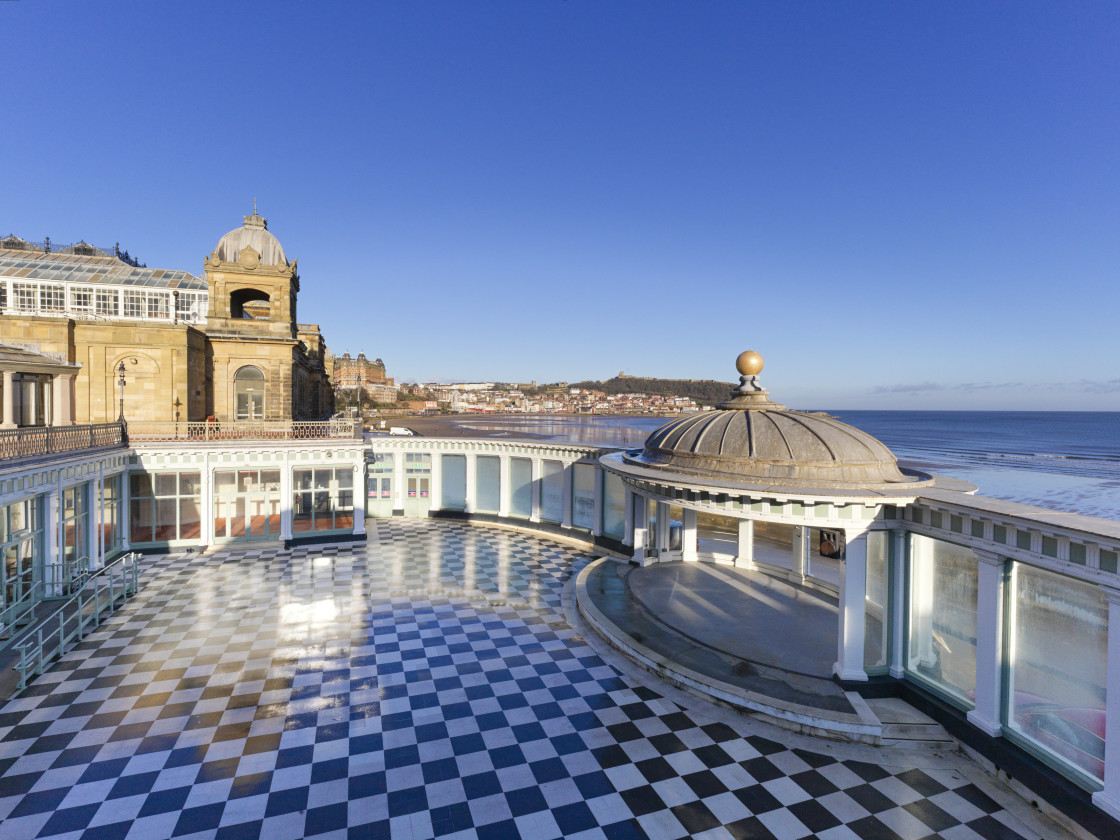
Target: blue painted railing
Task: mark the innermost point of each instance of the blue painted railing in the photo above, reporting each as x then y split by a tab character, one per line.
69	623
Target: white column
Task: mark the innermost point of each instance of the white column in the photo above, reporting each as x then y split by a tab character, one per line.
597	496
398	481
125	509
52	535
688	536
57	406
207	502
9	400
989	644
664	526
97	510
639	507
71	396
503	485
287	497
567	521
628	516
436	499
745	558
536	490
898	603
1108	800
360	484
800	551
472	482
853	608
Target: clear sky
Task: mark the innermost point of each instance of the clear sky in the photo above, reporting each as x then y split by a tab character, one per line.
900	205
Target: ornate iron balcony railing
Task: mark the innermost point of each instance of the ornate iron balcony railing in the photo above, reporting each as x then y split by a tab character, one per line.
32	441
143	431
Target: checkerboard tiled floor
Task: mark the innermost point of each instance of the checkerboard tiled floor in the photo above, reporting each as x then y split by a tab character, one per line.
426	685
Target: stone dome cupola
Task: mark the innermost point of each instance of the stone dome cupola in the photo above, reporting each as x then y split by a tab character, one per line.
751	440
253	234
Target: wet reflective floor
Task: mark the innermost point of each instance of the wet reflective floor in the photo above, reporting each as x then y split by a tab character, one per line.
427	684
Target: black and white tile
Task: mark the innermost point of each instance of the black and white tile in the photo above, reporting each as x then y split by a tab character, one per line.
423	685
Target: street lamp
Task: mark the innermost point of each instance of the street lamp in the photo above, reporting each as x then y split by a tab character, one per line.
120	382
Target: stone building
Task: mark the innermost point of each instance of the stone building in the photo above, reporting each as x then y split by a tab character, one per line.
226	344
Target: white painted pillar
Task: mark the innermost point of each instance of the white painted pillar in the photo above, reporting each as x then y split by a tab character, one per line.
472	483
206	501
70	392
536	490
53	538
96	526
639	508
126	511
745	558
899	603
1108	799
359	485
853	608
664	525
287	499
398	481
989	644
688	536
567	521
799	559
436	499
628	516
597	503
921	595
9	400
503	485
57	406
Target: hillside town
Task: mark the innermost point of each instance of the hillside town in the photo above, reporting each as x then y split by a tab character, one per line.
363	385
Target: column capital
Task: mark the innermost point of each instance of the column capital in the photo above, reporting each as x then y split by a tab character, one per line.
989	558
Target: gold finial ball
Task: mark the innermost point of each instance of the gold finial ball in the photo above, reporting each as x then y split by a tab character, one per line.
749	363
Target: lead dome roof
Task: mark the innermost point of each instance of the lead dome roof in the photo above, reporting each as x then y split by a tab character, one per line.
750	440
255	234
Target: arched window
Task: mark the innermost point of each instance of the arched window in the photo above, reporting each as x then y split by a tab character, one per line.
249	303
248	393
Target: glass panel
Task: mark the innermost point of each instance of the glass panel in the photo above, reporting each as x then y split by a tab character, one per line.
139	484
324	512
301	514
651	523
521	487
614	506
876	623
224	482
190	519
942	645
552	491
257	507
773	544
676	527
454	485
166	484
166	520
487	470
583	495
1058	663
301	479
190	484
344	478
717	534
323	479
140	520
270	481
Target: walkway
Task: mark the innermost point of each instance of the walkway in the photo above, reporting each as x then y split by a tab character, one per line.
426	685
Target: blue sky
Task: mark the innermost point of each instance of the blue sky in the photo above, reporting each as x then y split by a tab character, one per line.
901	205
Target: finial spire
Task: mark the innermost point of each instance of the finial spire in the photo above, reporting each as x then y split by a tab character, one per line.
750	394
254	205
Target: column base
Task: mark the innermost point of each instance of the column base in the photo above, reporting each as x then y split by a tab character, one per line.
1107	803
849	676
985	725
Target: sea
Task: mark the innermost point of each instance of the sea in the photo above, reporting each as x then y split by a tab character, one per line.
1061	460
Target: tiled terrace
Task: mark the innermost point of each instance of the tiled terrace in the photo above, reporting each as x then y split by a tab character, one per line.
427	684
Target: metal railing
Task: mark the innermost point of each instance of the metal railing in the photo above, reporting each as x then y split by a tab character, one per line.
19	613
64	578
69	623
46	440
141	431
